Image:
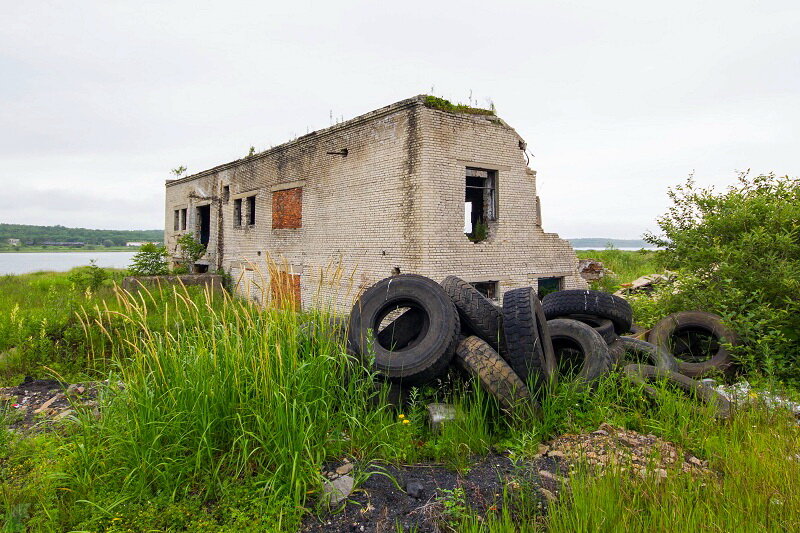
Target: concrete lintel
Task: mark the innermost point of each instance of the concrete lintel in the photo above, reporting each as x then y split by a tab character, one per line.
287	185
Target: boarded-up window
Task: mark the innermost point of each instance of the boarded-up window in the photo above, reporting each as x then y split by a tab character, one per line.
287	208
285	290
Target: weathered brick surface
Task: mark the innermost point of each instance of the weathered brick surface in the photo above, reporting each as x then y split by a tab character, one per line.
395	201
285	290
287	208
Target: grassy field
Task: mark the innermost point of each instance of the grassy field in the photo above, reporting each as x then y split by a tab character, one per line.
228	412
625	265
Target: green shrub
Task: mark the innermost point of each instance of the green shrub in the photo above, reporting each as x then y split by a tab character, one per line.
191	250
150	260
88	277
738	254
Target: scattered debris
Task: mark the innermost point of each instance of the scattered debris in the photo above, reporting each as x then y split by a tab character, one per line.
741	393
33	405
646	283
626	450
440	413
592	269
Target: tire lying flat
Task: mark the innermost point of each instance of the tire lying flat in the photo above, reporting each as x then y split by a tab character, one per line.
667	334
479	316
477	358
428	355
587	302
603	326
658	357
572	335
642	374
529	351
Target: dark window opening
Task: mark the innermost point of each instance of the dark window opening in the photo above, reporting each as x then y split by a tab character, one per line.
251	210
204	223
183	218
480	202
177	221
237	212
226	193
487	288
547	285
200	269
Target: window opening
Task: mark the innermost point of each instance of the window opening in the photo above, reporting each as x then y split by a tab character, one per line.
183	218
226	193
251	210
204	223
480	202
548	285
237	212
487	288
177	221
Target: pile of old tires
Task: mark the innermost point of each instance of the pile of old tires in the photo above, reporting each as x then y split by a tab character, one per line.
413	330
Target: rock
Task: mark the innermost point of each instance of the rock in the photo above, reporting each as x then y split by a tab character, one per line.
602	432
75	390
549	496
415	489
548	475
556	453
695	461
661	473
63	414
439	413
336	491
344	469
543	449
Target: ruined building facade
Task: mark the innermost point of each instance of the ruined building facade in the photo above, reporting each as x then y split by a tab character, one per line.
406	188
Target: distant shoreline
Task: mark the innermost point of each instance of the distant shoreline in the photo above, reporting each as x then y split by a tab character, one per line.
41	249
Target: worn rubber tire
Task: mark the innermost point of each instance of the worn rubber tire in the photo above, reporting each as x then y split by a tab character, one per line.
641	374
429	355
402	331
665	331
588	302
658	356
529	350
603	326
476	357
478	314
583	337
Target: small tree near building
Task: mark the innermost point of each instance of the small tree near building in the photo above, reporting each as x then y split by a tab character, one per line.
191	250
150	260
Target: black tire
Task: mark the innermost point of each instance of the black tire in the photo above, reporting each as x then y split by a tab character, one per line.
479	316
642	374
582	341
675	334
658	356
427	356
603	326
403	331
477	358
529	351
587	302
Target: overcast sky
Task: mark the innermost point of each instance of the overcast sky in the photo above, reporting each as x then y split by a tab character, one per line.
617	100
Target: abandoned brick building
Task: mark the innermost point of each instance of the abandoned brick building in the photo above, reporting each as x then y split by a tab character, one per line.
410	187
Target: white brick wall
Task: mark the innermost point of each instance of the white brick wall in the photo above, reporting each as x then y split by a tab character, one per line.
396	200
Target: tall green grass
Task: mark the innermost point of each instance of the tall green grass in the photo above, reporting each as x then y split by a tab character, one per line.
626	265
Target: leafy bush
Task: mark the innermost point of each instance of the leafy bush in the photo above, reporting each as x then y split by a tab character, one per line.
88	277
738	254
191	249
150	260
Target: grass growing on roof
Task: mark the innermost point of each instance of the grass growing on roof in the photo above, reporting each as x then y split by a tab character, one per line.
434	102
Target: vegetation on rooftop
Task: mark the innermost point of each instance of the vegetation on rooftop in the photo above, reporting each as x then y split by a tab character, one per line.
434	102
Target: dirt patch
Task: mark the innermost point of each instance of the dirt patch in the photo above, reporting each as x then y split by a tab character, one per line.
36	404
430	498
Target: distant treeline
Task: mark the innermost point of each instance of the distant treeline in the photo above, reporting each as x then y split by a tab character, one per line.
36	235
601	243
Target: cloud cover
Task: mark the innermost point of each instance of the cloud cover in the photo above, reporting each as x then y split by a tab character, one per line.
616	100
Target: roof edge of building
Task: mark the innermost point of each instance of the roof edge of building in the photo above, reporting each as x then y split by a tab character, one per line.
314	135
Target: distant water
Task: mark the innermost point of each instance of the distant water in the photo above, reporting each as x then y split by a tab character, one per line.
23	263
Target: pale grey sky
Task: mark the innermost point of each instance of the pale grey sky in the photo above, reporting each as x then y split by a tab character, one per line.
617	100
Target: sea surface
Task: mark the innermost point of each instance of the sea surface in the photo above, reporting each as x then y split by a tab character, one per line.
23	263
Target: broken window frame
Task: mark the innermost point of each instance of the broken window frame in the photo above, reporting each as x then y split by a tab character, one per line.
487	211
251	210
489	288
184	216
551	284
237	212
